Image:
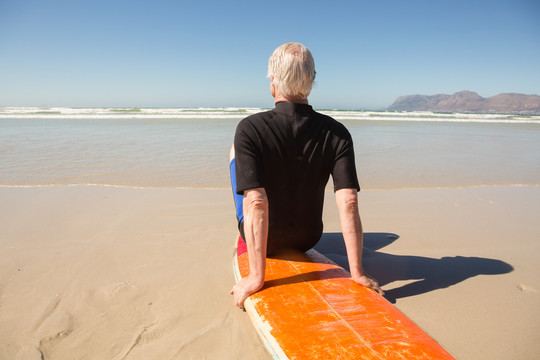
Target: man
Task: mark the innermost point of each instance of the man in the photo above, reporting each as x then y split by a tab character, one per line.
281	161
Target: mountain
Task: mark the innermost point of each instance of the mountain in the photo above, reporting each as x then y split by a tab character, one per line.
469	101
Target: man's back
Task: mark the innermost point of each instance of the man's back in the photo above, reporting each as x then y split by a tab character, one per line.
291	151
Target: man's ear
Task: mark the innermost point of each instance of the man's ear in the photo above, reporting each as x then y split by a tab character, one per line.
272	86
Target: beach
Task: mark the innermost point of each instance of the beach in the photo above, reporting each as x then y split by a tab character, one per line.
108	261
102	272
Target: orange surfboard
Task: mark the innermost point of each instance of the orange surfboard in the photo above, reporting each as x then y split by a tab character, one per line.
310	308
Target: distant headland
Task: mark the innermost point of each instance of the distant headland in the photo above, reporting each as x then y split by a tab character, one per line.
469	102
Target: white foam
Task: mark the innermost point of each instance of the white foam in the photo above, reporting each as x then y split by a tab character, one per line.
238	113
125	113
427	116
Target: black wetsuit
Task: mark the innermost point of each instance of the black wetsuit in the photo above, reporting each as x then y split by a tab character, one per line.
291	151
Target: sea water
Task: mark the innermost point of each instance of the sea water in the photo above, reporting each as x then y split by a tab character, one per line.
188	147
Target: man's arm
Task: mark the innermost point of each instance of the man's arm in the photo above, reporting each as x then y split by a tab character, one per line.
351	227
256	232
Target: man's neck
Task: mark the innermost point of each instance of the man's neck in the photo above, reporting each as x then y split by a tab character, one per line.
280	98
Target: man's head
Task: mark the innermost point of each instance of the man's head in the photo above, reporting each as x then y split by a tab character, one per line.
292	71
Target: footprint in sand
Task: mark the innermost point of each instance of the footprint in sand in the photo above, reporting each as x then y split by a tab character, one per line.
52	330
525	288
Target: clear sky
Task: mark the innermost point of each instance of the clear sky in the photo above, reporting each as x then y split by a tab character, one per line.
159	53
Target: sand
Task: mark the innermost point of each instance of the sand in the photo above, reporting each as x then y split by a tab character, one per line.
95	272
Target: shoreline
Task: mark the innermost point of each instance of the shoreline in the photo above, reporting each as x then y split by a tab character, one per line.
221	188
237	113
107	272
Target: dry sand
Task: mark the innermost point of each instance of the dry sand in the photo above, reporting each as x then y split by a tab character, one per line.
96	272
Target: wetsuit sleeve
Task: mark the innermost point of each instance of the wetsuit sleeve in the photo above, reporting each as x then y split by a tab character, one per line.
247	158
344	170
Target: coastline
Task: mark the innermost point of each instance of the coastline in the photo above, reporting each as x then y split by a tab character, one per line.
190	150
116	272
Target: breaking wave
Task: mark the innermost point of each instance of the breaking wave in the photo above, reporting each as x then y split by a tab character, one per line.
237	113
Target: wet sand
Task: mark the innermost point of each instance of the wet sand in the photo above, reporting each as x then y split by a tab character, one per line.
91	272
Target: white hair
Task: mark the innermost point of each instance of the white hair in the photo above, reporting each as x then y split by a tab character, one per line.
293	69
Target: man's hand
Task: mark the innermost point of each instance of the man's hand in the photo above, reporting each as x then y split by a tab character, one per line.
245	287
369	282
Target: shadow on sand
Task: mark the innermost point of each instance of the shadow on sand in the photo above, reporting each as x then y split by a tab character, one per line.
431	274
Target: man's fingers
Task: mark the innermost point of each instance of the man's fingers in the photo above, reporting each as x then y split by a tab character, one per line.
375	286
371	283
238	299
239	302
378	289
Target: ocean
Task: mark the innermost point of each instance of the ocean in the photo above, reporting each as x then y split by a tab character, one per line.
188	147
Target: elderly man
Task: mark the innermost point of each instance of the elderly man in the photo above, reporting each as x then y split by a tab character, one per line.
281	161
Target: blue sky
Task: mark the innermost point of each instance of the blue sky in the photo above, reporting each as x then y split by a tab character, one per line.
156	53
